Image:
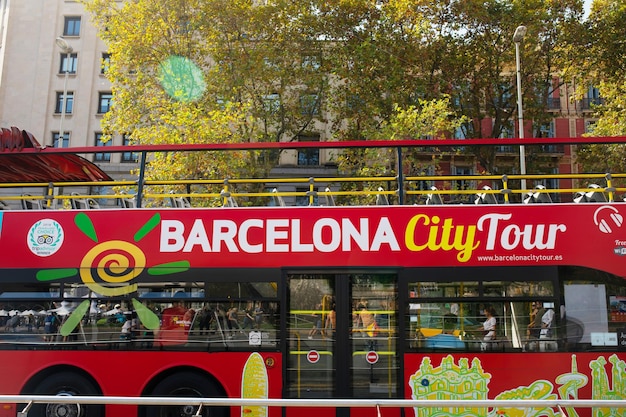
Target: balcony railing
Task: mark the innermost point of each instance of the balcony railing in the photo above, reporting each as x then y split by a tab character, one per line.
590	103
553	103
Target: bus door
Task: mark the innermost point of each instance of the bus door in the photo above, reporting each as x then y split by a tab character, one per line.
342	333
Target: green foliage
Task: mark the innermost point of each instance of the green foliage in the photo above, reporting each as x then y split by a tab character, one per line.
281	70
145	38
601	63
398	52
427	119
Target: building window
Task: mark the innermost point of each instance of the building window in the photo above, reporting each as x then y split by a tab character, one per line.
553	100
103	156
545	130
106	62
506	132
504	96
551	184
69	103
303	200
424	185
311	62
129	156
463	131
56	143
461	96
310	156
462	184
354	103
593	98
271	103
69	63
270	63
309	104
104	102
71	26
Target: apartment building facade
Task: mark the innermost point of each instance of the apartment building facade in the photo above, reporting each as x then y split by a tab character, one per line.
52	81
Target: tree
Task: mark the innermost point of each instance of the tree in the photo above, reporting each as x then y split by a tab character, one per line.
427	119
601	62
281	70
191	71
398	52
477	62
234	70
155	52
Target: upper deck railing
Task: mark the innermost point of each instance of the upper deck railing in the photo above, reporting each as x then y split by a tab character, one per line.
315	190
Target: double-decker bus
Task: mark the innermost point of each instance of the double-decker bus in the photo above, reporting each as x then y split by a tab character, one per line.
398	299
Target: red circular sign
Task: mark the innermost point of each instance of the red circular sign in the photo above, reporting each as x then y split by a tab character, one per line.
313	356
371	357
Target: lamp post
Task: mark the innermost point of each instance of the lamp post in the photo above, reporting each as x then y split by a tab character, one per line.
520	32
67	49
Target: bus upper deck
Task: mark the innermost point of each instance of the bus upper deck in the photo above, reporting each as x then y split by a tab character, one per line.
58	178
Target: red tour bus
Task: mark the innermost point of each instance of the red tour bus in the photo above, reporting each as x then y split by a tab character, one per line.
413	301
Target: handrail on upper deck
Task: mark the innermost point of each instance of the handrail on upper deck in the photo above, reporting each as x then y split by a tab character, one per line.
373	188
398	189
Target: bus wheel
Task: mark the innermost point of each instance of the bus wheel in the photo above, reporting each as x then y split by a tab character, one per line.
67	384
186	384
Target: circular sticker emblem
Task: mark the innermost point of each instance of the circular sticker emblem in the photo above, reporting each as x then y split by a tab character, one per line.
313	356
45	237
371	357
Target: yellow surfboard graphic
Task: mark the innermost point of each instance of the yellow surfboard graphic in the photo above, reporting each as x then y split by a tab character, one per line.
254	384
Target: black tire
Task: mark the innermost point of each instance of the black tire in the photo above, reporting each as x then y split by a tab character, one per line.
68	384
186	384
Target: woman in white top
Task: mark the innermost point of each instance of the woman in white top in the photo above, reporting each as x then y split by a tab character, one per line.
546	324
489	327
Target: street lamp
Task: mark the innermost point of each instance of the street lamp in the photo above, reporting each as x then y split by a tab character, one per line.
67	49
518	37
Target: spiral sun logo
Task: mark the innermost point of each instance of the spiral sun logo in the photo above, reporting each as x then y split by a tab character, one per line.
109	268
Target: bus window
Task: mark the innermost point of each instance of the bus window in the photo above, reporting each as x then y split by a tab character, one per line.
527	288
193	316
481	315
426	289
312	322
594	317
474	326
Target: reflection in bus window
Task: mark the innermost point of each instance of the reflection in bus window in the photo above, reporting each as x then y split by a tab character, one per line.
166	315
464	321
443	289
485	288
588	312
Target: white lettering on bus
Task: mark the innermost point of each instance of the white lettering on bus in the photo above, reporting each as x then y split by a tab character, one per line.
172	239
197	236
296	239
335	235
384	235
530	236
280	235
277	230
223	231
242	236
